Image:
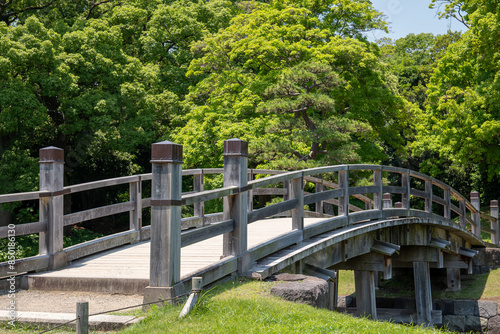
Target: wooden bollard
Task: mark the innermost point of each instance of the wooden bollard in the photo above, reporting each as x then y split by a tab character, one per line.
82	321
196	285
494	224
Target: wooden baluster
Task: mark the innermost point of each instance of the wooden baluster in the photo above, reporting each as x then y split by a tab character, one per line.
463	213
250	192
297	191
476	216
494	224
405	183
319	205
447	206
235	206
52	206
377	196
199	208
428	199
135	194
344	199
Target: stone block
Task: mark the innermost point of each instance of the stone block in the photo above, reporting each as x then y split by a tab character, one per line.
494	325
454	322
473	323
487	308
466	308
309	291
445	306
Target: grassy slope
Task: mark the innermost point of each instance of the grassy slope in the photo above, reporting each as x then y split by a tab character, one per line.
249	308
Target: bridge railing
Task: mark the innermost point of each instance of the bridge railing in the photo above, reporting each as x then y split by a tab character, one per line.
332	187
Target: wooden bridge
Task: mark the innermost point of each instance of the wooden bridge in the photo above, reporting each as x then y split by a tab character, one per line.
353	226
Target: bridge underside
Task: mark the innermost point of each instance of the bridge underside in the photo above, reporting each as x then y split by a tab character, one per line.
380	246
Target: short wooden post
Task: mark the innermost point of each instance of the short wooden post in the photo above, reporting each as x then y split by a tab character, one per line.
344	199
494	224
463	213
387	201
135	194
377	196
319	205
250	192
52	205
476	217
82	315
196	285
166	201
366	305
398	205
423	296
447	206
235	206
297	192
428	199
198	186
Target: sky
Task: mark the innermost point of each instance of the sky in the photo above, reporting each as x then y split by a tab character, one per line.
411	16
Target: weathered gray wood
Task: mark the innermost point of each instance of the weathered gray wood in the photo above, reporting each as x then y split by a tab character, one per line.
274	179
135	195
207	171
23	229
325	226
419	193
453	279
399	316
197	283
235	206
362	190
364	167
270	191
269	247
387	201
423	296
193	236
82	315
367	262
103	211
198	185
297	193
334	186
494	223
101	244
52	208
272	210
476	217
166	184
322	196
385	248
428	198
197	171
463	216
318	205
102	183
344	199
20	197
208	195
324	170
39	262
395	213
405	184
394	189
251	192
356	217
365	294
439	200
377	196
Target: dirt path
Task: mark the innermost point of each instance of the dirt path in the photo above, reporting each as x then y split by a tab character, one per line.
65	301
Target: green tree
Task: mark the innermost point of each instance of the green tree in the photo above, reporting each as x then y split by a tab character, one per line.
291	80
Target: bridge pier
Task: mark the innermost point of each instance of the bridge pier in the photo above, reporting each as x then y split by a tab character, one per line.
365	293
423	297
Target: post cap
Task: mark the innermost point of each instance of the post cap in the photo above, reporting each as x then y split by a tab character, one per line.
236	147
166	151
494	203
51	154
197	283
398	205
474	195
387	197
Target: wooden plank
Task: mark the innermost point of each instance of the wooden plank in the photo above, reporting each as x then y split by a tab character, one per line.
99	212
394	190
269	247
423	297
270	191
325	226
213	272
28	196
419	193
35	263
207	171
364	167
272	210
186	172
439	200
365	294
102	183
100	244
363	190
193	236
393	212
208	195
146	202
23	229
324	170
394	169
356	217
323	196
274	179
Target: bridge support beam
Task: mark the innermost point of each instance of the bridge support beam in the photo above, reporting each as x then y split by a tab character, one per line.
423	295
235	206
52	206
453	279
365	293
166	201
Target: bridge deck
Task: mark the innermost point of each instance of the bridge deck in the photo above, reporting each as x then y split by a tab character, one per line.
131	262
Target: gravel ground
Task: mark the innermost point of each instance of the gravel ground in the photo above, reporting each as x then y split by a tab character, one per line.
65	301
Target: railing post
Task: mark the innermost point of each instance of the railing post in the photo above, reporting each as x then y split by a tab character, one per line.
250	192
377	196
235	206
319	205
494	224
476	217
52	206
297	191
428	199
166	201
387	201
135	194
463	213
405	183
198	186
344	199
447	206
82	322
